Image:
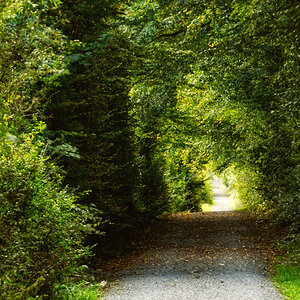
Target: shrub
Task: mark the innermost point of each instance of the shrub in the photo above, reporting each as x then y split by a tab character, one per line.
41	224
79	291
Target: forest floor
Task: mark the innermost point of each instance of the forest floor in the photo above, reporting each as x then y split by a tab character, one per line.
208	255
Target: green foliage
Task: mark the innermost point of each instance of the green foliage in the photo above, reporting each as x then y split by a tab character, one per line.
42	227
31	59
141	98
90	113
288	281
81	291
168	178
238	93
244	185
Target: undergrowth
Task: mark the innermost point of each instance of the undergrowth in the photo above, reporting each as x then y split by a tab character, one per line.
287	279
287	268
79	291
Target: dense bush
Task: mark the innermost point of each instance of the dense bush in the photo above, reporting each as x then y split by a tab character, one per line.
41	224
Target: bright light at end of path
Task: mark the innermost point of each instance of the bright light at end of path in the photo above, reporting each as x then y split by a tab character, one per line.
221	200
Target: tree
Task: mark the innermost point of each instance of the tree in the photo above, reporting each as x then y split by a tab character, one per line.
240	85
42	226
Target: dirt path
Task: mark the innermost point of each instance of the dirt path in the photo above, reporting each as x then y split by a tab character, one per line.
214	255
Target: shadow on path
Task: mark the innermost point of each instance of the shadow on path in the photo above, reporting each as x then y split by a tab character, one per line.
213	255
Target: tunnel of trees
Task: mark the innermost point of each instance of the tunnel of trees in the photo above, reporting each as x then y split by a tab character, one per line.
115	112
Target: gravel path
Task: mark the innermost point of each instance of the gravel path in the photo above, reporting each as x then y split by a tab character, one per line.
221	200
207	256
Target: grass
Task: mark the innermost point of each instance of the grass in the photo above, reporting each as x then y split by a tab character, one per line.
287	279
79	291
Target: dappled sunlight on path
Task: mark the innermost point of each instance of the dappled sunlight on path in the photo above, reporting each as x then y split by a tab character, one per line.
221	199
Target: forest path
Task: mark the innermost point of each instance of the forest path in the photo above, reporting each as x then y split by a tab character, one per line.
221	199
213	256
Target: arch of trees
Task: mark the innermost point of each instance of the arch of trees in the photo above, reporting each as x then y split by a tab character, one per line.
114	112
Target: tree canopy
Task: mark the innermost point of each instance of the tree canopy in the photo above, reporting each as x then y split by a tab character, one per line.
115	112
